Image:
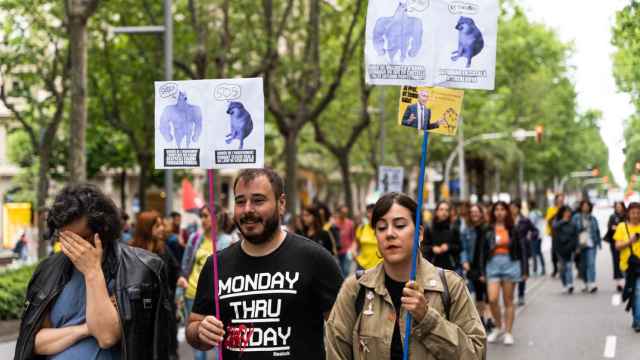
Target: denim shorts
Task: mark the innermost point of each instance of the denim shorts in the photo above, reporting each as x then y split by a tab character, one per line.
502	268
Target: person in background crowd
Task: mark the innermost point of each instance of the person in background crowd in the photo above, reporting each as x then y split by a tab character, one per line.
536	243
347	235
365	246
375	329
526	230
506	264
618	216
627	237
198	249
567	245
328	225
441	244
126	229
589	241
312	229
267	255
150	234
21	249
175	241
77	298
472	240
462	219
558	201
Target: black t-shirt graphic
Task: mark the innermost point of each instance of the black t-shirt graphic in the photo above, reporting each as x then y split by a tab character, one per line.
272	306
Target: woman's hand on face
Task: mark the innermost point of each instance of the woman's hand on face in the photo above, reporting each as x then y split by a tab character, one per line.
84	256
444	248
436	249
413	300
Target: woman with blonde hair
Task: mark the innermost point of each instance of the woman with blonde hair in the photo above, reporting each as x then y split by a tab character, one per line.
367	320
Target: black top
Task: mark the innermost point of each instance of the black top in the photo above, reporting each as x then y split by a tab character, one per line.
442	233
272	306
395	292
323	238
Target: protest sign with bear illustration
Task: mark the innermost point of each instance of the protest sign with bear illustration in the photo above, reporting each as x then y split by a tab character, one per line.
448	43
209	124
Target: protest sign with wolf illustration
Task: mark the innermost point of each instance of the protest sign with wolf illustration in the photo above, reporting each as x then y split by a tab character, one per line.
209	124
449	43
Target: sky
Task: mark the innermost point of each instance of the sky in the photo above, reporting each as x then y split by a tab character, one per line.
588	24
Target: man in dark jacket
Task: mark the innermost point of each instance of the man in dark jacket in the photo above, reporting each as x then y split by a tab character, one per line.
98	298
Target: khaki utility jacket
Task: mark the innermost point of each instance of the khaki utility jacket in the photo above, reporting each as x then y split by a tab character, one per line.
368	335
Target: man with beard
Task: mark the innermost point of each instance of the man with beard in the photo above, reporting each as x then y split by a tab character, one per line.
275	287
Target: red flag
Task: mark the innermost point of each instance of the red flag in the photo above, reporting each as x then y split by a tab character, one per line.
190	198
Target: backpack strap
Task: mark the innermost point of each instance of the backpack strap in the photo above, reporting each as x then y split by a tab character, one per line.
359	304
446	296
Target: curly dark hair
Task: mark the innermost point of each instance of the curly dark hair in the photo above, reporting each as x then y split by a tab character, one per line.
85	200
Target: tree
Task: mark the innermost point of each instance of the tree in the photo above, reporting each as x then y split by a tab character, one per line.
339	143
301	85
626	63
78	13
34	68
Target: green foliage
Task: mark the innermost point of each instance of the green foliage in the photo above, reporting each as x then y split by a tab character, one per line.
13	289
626	60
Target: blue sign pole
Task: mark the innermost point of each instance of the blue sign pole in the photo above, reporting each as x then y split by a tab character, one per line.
416	238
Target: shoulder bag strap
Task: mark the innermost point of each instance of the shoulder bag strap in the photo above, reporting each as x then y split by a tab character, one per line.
446	296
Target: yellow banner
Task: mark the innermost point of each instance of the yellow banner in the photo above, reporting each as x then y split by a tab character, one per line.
435	108
16	218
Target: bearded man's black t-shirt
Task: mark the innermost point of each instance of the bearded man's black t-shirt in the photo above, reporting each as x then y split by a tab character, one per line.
272	306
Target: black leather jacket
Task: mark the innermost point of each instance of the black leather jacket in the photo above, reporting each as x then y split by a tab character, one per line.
141	296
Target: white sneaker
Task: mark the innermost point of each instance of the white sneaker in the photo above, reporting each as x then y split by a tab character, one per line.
494	335
508	339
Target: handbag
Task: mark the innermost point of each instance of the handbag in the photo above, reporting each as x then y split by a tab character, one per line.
583	239
634	260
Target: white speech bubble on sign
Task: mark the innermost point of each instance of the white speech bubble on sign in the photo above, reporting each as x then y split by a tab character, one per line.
227	92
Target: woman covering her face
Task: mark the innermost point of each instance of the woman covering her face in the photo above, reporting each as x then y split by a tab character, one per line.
368	318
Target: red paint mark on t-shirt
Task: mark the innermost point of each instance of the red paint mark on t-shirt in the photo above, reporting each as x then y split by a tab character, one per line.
238	337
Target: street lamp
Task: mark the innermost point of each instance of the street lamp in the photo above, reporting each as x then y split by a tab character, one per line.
167	31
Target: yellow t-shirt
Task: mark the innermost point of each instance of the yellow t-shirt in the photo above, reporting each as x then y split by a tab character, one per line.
551	213
203	252
368	242
621	236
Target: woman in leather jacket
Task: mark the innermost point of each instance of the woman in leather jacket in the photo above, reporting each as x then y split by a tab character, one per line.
97	297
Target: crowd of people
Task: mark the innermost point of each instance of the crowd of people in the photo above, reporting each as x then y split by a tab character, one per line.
316	286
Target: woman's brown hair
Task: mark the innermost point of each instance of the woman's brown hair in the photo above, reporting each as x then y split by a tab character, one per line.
143	234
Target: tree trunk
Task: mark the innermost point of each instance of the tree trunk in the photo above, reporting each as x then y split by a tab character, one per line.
343	162
42	192
78	125
291	181
144	160
123	190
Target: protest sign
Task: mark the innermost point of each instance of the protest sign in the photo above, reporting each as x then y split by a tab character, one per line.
436	109
209	124
390	179
450	43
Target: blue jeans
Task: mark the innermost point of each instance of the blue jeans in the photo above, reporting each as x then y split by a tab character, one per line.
636	305
566	272
345	264
588	264
197	354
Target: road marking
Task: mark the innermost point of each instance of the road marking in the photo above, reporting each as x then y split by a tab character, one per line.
616	299
610	347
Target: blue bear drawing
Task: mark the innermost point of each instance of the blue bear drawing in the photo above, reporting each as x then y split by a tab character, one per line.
181	121
240	121
470	41
402	33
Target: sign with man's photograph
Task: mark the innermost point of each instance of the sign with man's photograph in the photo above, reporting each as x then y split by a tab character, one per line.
434	109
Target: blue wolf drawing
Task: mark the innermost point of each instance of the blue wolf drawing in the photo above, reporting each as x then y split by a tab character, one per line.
240	121
181	121
470	41
401	32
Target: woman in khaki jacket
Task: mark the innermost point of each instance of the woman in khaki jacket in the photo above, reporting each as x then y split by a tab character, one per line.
367	320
